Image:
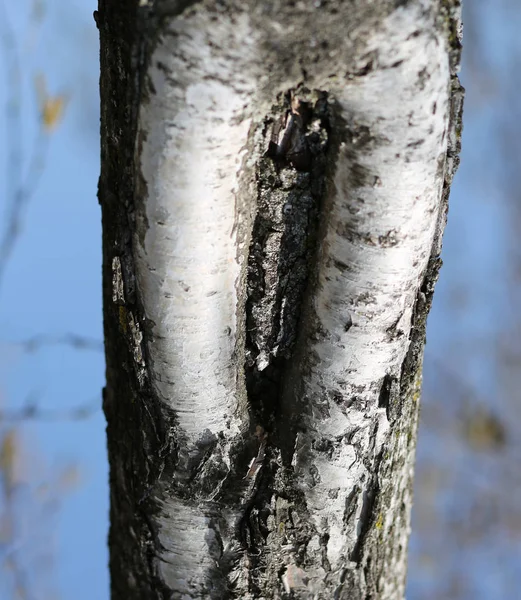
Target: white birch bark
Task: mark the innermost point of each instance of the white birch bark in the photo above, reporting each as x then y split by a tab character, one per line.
289	179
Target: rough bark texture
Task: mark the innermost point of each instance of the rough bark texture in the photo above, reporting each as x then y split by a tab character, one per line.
274	187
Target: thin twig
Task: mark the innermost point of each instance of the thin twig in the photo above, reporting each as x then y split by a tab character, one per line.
19	190
73	340
31	411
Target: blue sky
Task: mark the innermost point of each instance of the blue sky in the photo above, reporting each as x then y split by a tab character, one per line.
52	287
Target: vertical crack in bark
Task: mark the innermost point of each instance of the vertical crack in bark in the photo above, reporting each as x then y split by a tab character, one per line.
290	182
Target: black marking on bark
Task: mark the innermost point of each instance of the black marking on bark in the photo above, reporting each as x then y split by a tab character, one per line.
351	506
366	519
383	398
393	331
367	68
172	8
324	539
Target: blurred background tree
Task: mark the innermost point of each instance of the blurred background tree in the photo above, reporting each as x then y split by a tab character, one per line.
466	541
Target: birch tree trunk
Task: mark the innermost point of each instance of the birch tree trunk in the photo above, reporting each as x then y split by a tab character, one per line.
274	189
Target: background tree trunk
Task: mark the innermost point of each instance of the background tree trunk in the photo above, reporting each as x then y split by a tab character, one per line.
274	189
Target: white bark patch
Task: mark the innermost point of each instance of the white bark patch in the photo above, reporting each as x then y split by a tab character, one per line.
186	556
379	237
193	128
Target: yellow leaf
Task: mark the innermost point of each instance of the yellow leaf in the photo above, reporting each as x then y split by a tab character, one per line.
52	111
51	107
8	455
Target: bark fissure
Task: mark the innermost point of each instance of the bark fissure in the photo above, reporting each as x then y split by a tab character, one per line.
290	182
289	191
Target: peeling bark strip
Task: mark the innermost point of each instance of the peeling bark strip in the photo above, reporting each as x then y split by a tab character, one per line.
274	186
